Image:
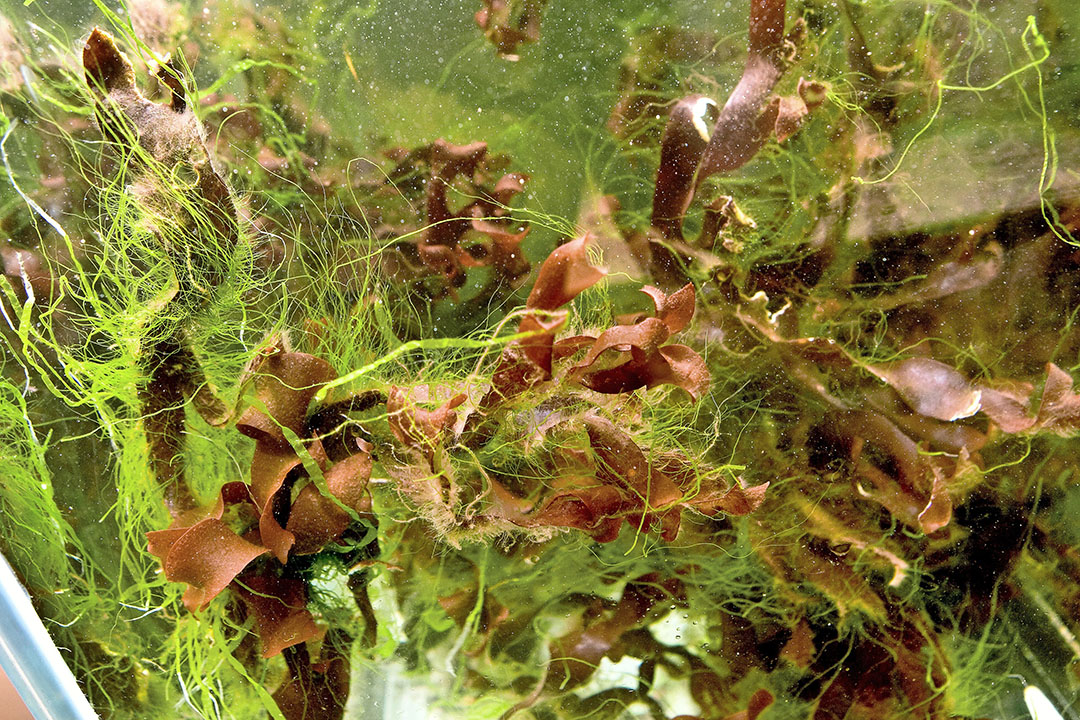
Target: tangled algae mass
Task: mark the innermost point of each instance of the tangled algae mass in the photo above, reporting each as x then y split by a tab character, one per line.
517	359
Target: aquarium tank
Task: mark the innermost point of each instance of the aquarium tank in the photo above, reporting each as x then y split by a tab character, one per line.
537	360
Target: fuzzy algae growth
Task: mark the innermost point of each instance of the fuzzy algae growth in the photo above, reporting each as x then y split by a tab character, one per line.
541	361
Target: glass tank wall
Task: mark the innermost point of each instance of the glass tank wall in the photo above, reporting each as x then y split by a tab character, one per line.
527	359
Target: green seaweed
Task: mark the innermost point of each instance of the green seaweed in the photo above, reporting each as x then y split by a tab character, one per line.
805	532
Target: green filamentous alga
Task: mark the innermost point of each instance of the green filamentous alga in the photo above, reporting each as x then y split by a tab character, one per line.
547	361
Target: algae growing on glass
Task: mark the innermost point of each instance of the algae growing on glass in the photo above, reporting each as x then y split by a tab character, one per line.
520	359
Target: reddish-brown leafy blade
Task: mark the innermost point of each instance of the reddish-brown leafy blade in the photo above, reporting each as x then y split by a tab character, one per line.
703	493
575	656
759	701
792	110
279	606
206	556
445	228
950	437
1059	411
939	508
626	487
579	503
737	135
882	488
970	271
539	348
568	347
315	519
509	23
674	310
931	388
507	187
685	369
416	427
106	67
315	693
906	461
270	467
1008	406
595	510
642	340
681	147
623	463
503	252
563	276
521	366
161	541
913	487
285	384
649	364
198	553
738	500
799	650
449	160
